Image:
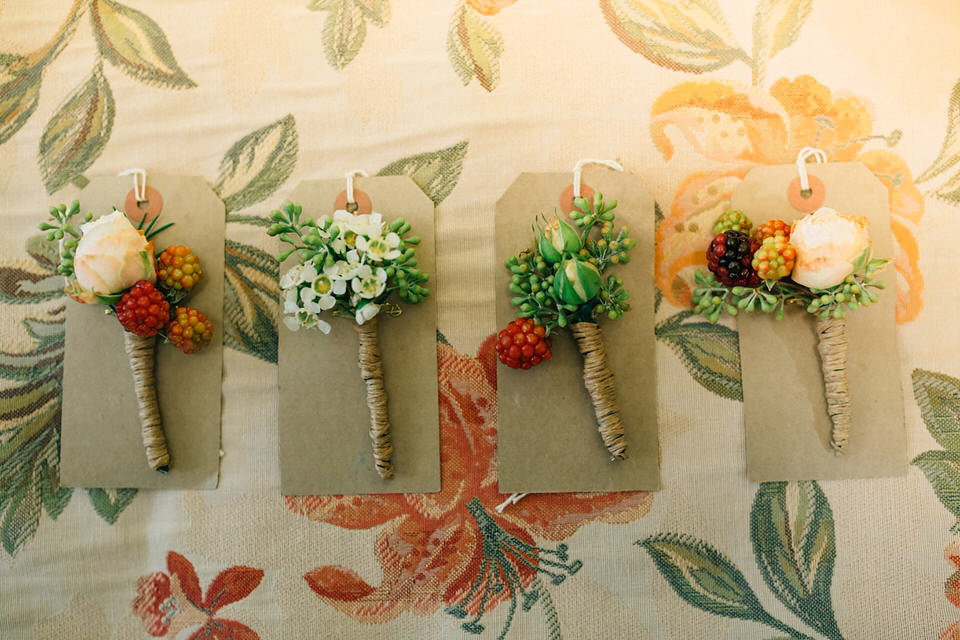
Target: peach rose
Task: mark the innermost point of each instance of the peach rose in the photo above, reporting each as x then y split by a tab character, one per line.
112	255
827	245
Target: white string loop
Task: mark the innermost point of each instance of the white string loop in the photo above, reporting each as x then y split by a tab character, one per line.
513	499
350	175
139	190
808	152
578	171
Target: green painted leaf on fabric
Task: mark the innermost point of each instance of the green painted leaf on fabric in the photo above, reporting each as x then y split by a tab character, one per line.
704	577
23	286
76	134
132	41
251	296
30	422
258	164
344	31
942	469
949	157
684	35
776	26
436	172
938	396
44	251
710	352
376	11
791	525
19	95
110	503
474	47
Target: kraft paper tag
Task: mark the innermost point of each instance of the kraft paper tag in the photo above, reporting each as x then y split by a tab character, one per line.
323	417
547	433
785	413
100	443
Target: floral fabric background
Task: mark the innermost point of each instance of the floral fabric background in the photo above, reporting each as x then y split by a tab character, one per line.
460	95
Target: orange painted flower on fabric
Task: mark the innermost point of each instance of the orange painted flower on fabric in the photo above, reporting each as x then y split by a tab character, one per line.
743	128
453	549
490	7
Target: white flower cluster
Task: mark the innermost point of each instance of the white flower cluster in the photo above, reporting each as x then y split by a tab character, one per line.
352	274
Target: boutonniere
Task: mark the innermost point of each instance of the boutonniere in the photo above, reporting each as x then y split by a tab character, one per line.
110	261
822	264
352	266
563	282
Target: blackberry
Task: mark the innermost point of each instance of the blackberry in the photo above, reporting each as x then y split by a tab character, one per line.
189	330
730	256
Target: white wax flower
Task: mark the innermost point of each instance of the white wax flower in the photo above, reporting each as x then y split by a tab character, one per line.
827	245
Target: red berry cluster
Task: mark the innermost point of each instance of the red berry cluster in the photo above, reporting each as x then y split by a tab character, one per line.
523	344
730	256
190	331
143	310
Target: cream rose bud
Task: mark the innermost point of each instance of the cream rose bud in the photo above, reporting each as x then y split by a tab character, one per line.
827	245
112	255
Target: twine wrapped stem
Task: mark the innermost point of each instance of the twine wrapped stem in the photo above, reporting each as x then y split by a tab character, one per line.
140	353
371	370
598	379
832	345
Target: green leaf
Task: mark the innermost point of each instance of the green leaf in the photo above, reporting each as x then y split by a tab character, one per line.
682	35
30	422
19	95
77	133
474	47
251	296
436	172
703	577
133	42
938	396
942	469
110	503
376	11
791	525
344	31
257	164
776	26
710	352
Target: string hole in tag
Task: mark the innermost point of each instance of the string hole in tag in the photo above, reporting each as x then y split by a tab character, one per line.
566	198
806	200
361	204
150	206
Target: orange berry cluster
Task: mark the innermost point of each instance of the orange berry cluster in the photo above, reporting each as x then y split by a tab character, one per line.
178	269
190	330
775	258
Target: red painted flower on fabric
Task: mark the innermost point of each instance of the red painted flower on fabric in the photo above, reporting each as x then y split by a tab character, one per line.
168	603
453	548
952	589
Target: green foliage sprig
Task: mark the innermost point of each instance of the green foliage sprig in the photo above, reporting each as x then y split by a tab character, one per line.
560	281
712	298
62	230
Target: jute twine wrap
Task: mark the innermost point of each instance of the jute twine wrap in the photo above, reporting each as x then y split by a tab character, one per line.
140	354
371	370
832	345
598	379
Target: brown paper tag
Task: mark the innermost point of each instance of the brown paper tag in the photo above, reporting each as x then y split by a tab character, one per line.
100	443
323	418
785	413
547	438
